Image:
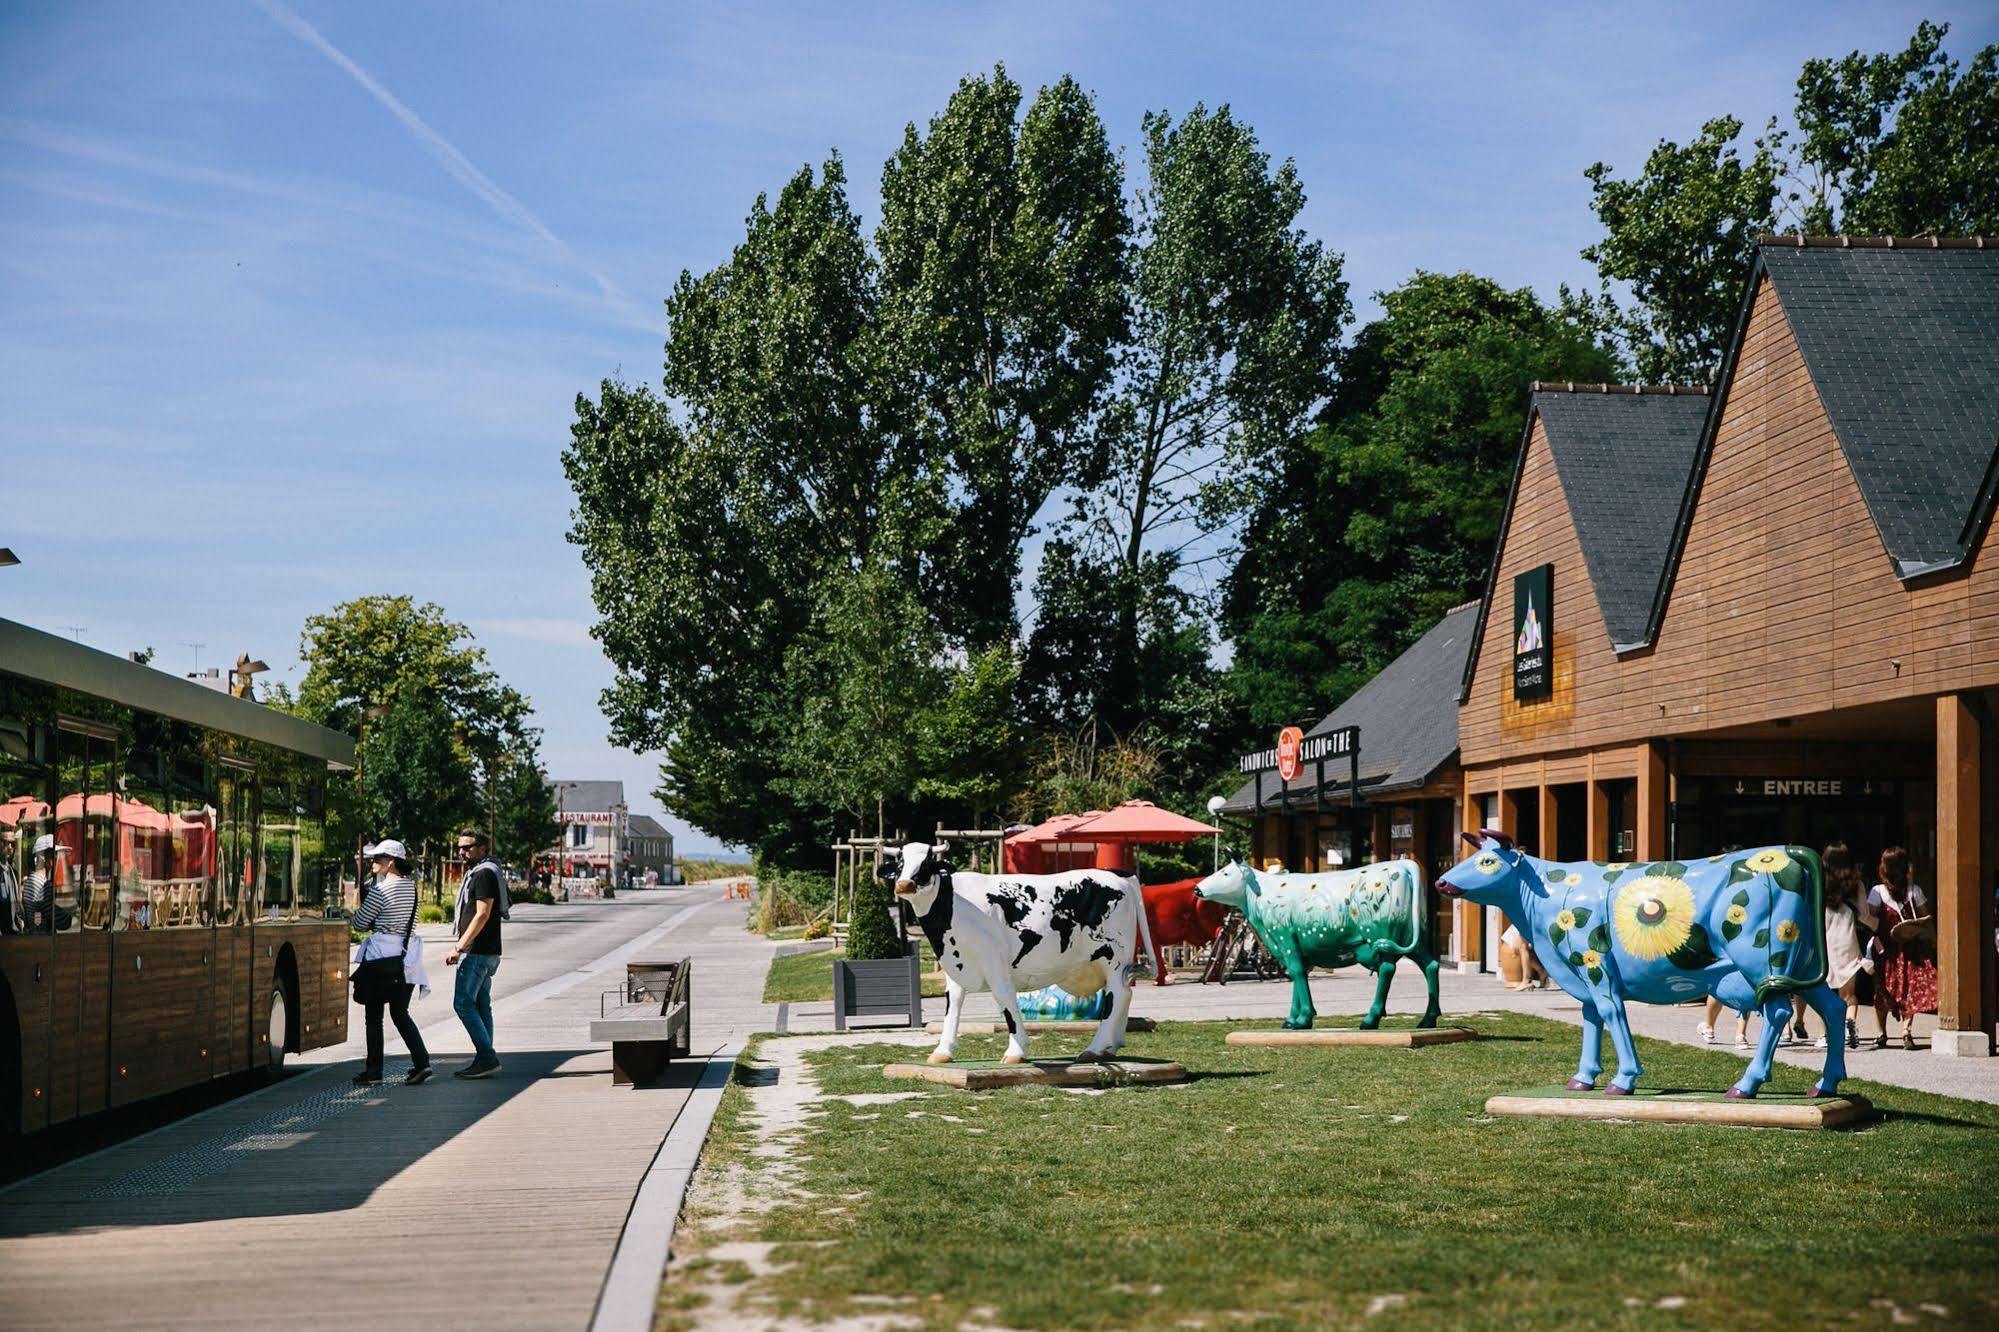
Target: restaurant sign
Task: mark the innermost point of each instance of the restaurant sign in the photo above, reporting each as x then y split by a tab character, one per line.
1534	633
592	816
1294	749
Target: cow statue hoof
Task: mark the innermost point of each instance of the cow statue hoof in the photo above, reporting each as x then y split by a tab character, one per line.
1819	1093
1011	1058
1577	1084
1737	1094
1091	1057
1614	1090
938	1057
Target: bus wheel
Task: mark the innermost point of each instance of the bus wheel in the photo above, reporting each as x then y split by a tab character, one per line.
280	1027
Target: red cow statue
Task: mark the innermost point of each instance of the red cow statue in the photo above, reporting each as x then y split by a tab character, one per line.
1176	914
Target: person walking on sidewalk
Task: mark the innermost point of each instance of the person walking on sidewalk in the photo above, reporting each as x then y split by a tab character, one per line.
482	905
388	966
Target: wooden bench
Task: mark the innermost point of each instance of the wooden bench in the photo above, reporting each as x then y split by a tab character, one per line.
647	1021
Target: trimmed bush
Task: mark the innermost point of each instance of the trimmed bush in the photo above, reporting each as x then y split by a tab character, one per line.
875	932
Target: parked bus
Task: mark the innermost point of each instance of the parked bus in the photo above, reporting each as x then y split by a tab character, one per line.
172	909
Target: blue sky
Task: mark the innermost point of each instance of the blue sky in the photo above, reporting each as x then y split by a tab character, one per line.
295	299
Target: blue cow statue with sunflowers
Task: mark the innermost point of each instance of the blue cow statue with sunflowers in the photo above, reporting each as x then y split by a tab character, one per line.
1747	928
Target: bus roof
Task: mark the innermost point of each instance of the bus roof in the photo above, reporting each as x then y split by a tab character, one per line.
58	661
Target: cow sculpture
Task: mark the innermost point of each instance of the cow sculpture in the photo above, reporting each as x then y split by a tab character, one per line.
1006	933
1176	914
1373	915
1747	928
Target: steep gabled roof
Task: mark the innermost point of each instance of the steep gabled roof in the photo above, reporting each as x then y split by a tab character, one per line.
644	825
1407	716
1903	335
1903	347
1623	453
1623	460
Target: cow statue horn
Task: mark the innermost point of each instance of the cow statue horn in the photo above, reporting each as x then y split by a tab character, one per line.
1483	835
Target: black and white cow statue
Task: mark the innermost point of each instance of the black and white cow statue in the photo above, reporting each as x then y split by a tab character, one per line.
1007	933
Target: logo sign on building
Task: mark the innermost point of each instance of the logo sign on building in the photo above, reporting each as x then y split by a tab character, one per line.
1288	742
1534	633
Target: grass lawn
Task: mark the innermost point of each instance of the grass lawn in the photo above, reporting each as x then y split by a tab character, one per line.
1331	1187
805	977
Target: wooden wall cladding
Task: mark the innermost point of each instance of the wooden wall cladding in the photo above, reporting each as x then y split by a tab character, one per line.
28	963
330	1021
1784	604
229	1010
79	1024
161	992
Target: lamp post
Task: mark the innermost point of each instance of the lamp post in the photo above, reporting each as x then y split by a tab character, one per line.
240	674
1215	804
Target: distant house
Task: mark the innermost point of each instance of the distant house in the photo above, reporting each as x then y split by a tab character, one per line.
595	830
651	847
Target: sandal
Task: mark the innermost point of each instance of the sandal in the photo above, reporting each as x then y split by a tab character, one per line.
1880	1042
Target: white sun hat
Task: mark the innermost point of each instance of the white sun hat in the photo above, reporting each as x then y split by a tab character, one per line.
388	846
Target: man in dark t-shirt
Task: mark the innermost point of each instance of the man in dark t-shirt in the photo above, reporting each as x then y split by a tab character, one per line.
481	907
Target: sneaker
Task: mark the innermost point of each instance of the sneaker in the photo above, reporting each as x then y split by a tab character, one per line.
418	1076
479	1069
1852	1036
367	1077
1820	1044
1742	1043
1707	1033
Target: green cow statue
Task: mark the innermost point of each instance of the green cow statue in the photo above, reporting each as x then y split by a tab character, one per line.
1373	915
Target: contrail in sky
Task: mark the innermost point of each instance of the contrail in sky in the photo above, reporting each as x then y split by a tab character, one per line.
453	161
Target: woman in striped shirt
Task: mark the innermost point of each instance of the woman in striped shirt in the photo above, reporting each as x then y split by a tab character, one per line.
389	911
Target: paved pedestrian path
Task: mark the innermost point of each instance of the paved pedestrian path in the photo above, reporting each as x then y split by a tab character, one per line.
318	1201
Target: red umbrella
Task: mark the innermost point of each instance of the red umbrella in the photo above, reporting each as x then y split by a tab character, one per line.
1139	821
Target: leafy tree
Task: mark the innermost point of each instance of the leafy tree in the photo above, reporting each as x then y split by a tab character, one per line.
1679	237
418	786
1900	143
524	808
372	650
1386	516
1002	250
1236	316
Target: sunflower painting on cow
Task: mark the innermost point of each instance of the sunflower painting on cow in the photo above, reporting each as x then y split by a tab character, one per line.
1747	927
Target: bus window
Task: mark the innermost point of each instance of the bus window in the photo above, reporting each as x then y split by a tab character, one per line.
85	848
27	814
236	864
281	850
192	824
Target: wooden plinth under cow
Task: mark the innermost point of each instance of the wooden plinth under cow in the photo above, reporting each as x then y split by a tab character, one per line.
1663	1106
992	1074
1036	1027
1403	1038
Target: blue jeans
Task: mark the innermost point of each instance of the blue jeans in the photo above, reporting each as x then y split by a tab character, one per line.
474	1001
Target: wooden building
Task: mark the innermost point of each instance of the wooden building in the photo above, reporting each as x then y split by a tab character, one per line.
1407	767
1766	614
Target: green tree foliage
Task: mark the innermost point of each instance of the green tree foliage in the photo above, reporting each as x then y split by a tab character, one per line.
876	931
524	806
376	653
1678	238
1235	320
418	784
1003	259
1902	143
1385	517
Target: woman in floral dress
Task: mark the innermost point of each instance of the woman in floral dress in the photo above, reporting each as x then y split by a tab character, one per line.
1905	961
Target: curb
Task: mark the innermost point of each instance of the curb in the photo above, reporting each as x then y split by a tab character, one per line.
630	1293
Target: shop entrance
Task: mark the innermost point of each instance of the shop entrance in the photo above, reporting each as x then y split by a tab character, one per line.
1717	815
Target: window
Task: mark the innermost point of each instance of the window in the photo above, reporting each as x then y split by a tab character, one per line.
27	807
84	856
579	835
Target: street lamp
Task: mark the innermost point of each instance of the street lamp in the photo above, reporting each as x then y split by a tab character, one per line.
1215	806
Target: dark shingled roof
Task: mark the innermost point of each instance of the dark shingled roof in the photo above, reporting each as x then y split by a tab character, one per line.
1903	348
1623	459
644	825
588	797
1408	719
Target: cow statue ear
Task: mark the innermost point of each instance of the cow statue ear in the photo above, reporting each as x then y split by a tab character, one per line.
887	870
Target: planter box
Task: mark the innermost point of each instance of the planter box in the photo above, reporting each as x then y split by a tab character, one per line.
890	987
